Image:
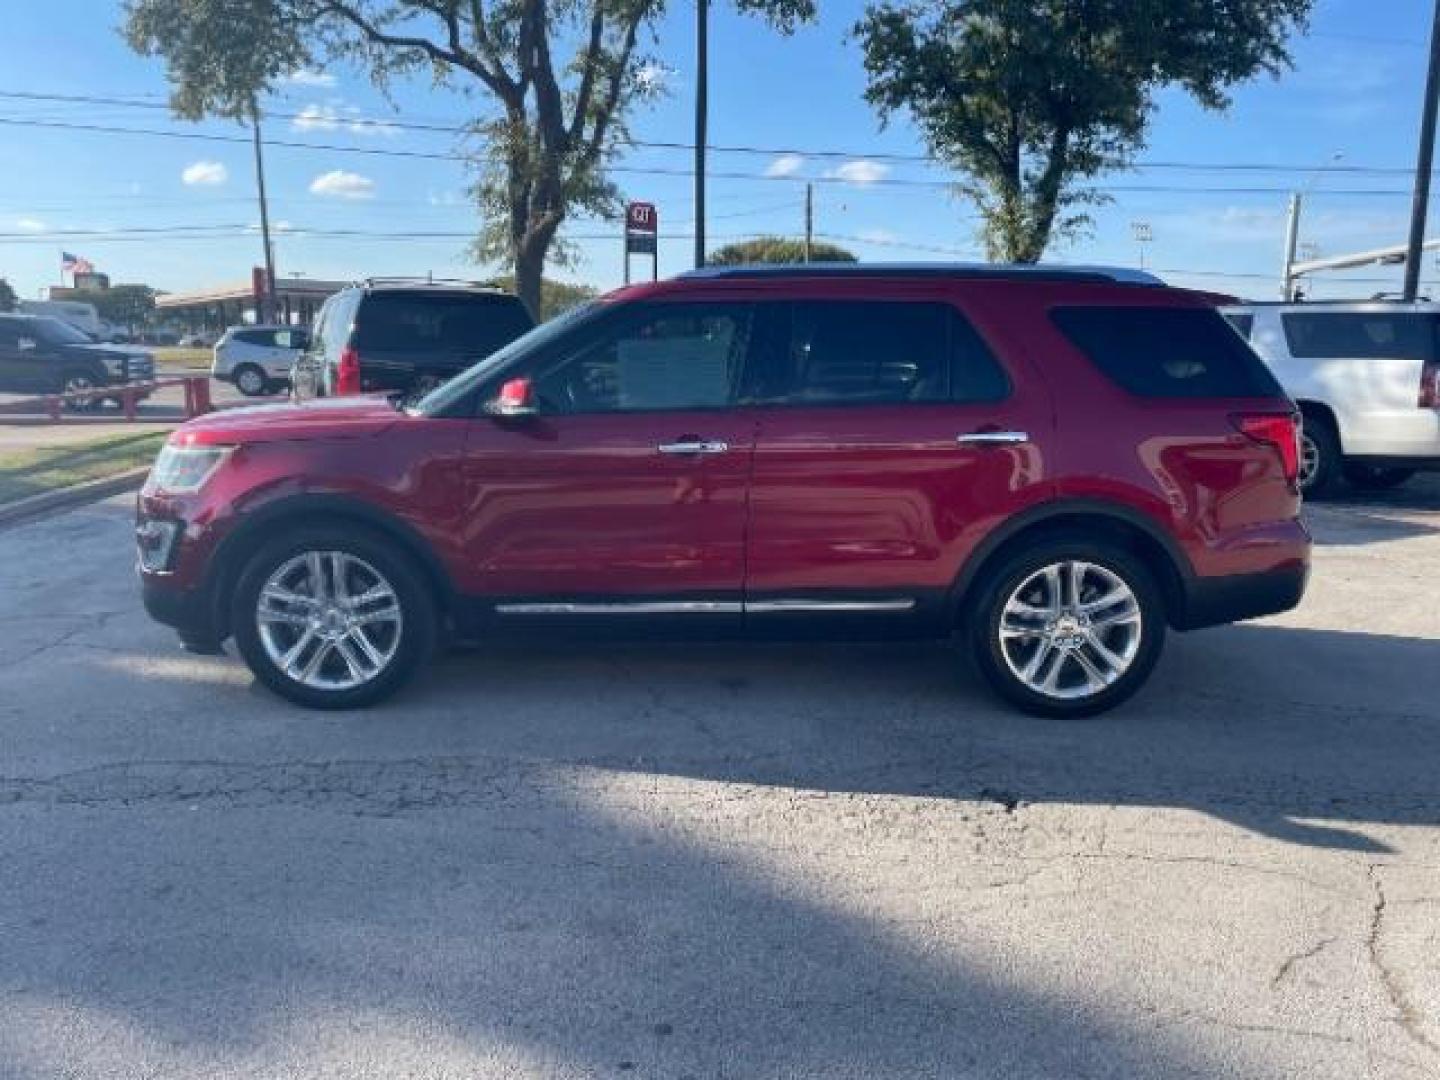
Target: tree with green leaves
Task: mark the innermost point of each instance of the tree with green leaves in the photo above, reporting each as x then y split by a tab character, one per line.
777	249
125	305
1029	99
556	297
552	121
8	299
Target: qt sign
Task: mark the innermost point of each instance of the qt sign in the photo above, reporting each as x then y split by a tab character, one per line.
642	229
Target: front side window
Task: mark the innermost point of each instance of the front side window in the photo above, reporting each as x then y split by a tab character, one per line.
1398	335
881	352
55	332
666	357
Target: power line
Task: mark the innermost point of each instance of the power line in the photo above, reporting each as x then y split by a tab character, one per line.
335	121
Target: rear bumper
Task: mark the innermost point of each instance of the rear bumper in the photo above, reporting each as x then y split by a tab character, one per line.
1214	601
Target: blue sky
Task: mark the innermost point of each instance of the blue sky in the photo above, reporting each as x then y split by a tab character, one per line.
1355	91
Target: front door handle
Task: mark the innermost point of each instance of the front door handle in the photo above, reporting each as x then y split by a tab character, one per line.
693	446
993	438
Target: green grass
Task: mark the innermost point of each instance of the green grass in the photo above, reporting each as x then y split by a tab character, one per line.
29	472
174	356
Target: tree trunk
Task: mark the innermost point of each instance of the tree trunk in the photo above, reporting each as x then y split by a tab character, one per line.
529	272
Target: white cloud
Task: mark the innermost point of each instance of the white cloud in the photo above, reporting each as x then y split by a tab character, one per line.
205	173
304	77
878	236
315	117
29	224
335	114
861	173
653	78
785	165
339	184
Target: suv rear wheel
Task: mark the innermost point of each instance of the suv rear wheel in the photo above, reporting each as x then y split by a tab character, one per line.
332	618
1069	626
250	380
1320	462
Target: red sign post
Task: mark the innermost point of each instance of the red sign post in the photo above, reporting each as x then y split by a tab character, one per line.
642	235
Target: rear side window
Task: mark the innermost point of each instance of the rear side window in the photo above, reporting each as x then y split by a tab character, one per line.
1242	321
861	353
452	322
1167	352
255	337
1361	335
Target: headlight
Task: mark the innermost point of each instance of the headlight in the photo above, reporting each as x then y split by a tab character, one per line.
182	469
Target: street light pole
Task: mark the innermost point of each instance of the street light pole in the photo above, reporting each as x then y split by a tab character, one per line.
1424	163
702	89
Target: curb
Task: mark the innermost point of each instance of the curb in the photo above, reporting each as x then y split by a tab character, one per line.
68	498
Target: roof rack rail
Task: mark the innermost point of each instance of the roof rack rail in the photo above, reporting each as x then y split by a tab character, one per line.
1000	271
428	279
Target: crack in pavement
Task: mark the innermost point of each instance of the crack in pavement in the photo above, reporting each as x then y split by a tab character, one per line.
1288	964
1410	1018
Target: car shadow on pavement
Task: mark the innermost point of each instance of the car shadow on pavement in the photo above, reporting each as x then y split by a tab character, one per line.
1273	728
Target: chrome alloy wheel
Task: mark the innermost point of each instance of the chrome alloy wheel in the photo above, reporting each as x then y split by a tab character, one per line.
329	620
1070	630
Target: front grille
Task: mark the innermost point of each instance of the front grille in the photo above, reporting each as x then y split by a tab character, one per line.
139	369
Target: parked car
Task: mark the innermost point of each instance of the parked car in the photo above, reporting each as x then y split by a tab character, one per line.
1366	376
1053	464
404	336
42	355
258	359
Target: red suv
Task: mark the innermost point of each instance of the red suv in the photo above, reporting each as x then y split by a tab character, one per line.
1053	465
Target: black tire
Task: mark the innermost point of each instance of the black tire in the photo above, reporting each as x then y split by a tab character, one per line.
73	380
250	380
1317	437
1375	478
988	648
415	636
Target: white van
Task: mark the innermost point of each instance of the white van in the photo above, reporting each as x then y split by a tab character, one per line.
77	313
1366	376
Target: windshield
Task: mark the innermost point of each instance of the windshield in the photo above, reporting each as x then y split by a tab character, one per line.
55	332
441	398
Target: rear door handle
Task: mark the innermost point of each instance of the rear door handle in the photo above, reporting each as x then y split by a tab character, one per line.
693	446
993	438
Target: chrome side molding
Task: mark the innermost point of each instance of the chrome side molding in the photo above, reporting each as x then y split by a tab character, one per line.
705	607
993	438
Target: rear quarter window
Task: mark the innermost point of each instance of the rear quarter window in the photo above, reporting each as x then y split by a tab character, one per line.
1158	352
1399	335
454	322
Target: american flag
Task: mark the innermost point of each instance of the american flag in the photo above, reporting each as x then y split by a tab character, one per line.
74	264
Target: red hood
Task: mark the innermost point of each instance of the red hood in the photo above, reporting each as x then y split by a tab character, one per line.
325	418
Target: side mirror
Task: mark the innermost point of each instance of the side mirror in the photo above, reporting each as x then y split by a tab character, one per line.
26	344
516	399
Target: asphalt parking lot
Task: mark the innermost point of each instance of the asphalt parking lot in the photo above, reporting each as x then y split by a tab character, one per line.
720	861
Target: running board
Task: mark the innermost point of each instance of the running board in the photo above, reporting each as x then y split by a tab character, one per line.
709	607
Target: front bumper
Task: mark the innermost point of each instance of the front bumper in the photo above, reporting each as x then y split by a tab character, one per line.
191	612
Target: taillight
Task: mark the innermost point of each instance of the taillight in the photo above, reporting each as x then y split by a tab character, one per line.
1430	385
1280	430
347	372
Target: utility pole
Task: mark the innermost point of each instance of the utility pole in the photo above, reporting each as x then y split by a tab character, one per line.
1292	236
809	218
1423	164
702	91
267	302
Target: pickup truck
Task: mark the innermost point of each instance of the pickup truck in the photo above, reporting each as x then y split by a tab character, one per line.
1366	376
41	355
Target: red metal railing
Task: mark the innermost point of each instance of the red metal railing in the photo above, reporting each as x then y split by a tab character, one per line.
197	399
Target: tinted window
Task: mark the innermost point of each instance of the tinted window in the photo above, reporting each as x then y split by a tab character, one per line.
1167	352
255	337
55	332
453	322
675	357
9	332
856	353
1380	334
1242	321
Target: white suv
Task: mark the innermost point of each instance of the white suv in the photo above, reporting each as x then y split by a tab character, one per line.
1366	376
257	359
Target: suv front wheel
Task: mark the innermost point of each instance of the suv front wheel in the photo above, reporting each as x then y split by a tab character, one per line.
332	618
1069	627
